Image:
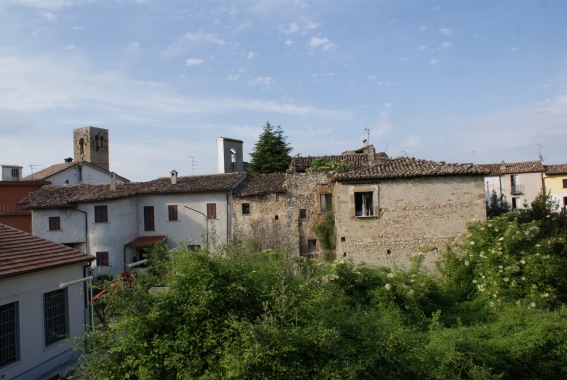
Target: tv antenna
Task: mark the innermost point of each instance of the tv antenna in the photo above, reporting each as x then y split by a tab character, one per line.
539	150
33	167
367	141
194	163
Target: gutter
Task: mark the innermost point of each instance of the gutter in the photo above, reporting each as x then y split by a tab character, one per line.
87	248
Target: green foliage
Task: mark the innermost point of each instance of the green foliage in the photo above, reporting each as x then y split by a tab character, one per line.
271	152
496	311
326	232
319	165
497	206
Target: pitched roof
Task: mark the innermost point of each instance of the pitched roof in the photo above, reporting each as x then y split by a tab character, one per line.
357	161
406	167
58	168
68	196
21	252
261	184
556	169
514	167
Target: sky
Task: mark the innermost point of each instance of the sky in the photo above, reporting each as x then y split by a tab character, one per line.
479	81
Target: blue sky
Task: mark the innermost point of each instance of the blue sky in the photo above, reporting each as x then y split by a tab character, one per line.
456	81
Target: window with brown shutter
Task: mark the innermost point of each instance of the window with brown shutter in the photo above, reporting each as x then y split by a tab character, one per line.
101	214
54	223
172	211
211	210
102	259
149	224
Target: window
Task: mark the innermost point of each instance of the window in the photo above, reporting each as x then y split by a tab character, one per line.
101	214
246	209
102	259
311	246
149	224
565	203
302	213
364	204
55	316
515	203
8	333
326	202
565	183
172	211
15	174
211	210
80	168
54	223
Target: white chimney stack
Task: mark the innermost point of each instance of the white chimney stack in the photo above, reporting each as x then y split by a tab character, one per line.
173	177
112	181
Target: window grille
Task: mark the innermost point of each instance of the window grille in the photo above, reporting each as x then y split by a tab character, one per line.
55	316
8	333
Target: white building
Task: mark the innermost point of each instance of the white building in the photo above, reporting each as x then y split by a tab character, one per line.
39	318
115	223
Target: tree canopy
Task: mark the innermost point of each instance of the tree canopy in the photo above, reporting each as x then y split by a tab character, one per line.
496	310
271	152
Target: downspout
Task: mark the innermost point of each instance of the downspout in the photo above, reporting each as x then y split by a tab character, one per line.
228	218
87	248
124	254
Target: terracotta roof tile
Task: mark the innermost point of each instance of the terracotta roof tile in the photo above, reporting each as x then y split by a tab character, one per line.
261	184
57	168
556	169
144	241
405	167
21	252
514	167
69	196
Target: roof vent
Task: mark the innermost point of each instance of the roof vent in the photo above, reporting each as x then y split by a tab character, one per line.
68	160
173	177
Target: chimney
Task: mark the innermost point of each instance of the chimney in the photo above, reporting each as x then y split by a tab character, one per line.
68	160
173	177
112	181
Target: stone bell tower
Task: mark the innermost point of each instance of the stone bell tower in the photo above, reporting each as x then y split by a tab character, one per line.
90	144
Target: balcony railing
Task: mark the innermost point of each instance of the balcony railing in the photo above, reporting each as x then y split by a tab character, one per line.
517	189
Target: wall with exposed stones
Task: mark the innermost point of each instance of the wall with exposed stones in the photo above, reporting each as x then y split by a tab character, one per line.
410	216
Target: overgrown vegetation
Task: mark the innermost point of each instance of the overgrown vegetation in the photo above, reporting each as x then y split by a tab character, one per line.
326	233
497	311
320	165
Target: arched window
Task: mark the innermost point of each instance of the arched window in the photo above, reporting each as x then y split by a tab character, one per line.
81	146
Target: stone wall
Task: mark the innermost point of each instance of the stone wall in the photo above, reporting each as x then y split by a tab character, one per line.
410	216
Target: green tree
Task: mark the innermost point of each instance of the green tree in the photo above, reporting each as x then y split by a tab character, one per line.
497	205
271	152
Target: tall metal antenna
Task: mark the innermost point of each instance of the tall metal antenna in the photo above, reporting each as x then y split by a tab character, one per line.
32	167
194	163
539	150
367	135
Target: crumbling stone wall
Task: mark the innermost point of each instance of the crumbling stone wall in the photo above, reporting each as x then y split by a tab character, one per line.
414	215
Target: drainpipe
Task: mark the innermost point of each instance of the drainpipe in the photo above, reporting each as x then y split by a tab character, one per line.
228	218
87	249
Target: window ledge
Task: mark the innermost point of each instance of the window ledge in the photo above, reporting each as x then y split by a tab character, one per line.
366	217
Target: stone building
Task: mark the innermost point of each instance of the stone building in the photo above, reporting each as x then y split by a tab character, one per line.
403	206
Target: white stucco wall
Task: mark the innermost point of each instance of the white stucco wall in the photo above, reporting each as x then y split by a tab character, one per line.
72	226
27	290
530	185
91	176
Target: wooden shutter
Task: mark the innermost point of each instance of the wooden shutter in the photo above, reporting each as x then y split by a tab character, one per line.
211	210
149	224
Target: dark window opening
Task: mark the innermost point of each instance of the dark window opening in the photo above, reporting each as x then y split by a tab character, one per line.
172	212
514	203
565	183
343	238
54	223
364	204
194	247
311	246
55	316
326	202
211	210
277	217
102	259
8	333
302	213
246	209
101	214
149	224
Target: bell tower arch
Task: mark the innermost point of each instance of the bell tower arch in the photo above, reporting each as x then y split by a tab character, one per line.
90	145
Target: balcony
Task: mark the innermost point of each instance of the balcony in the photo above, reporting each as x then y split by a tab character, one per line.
517	189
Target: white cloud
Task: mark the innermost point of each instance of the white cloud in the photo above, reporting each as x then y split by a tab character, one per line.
188	40
446	45
446	31
262	81
422	48
433	62
251	55
50	17
70	47
289	42
423	28
193	62
321	43
323	75
288	29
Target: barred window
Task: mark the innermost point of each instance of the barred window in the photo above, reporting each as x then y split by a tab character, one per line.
8	333
55	316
